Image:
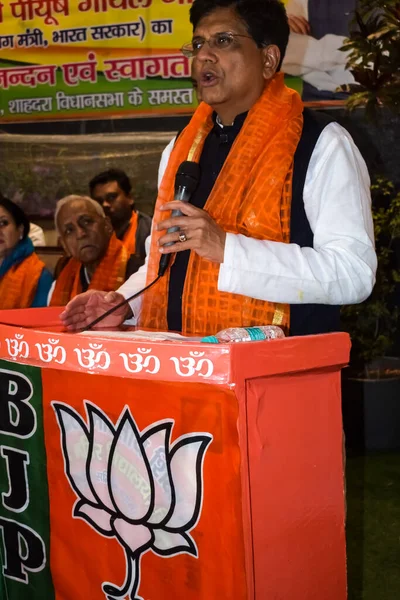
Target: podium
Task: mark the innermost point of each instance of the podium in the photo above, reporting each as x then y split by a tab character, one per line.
153	470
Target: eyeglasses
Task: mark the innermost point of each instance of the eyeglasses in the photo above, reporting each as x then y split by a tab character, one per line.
218	41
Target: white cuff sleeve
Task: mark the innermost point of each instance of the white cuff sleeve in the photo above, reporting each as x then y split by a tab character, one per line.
340	267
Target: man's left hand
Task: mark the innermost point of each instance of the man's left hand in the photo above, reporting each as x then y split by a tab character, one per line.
202	233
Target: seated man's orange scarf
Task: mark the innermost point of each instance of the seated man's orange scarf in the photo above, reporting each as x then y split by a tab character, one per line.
129	239
108	276
19	285
251	196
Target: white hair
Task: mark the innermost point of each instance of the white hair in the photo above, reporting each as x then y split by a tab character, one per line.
72	198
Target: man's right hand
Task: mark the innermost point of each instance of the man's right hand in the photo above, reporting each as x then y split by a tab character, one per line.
299	25
86	307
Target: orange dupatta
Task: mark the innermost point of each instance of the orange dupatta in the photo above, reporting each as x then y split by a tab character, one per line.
18	286
108	276
129	239
251	196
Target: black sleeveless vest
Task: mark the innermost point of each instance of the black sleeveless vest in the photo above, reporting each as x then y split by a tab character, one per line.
304	318
307	319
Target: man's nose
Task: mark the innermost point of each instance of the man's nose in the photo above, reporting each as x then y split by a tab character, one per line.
206	53
80	232
105	204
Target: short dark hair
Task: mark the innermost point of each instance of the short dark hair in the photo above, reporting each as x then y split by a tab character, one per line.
112	175
265	20
17	214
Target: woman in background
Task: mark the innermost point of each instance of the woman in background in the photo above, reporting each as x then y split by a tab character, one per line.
24	279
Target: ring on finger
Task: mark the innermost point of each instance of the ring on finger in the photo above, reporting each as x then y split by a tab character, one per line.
182	237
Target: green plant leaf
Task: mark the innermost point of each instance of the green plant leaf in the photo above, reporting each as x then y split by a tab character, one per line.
373	47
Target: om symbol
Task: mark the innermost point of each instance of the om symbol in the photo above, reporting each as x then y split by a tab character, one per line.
135	363
17	348
194	363
49	352
93	357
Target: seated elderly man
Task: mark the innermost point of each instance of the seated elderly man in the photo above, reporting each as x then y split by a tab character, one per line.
98	260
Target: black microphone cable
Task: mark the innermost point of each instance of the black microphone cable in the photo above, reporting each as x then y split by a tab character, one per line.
125	301
164	262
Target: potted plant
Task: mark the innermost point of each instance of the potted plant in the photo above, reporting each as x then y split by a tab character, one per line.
372	112
371	386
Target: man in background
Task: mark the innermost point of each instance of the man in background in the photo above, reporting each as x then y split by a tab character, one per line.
317	31
112	189
97	259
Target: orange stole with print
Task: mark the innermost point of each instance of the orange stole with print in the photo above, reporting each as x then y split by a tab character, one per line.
108	276
251	196
18	286
129	239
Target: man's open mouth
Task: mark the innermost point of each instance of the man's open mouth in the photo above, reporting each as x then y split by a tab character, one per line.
208	78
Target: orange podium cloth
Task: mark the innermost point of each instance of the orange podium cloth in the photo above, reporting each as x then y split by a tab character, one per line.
174	469
251	196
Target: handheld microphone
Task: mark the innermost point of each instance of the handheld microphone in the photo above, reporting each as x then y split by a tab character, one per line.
186	181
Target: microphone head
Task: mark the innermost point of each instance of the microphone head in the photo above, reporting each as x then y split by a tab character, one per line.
188	176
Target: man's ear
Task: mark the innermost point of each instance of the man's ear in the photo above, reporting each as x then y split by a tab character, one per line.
271	59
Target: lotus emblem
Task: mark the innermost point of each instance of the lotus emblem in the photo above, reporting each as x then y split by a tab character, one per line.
135	486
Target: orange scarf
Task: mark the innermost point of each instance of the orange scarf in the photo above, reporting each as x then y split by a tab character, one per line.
129	239
252	196
108	276
18	286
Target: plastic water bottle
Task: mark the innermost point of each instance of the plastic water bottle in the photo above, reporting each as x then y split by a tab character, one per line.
245	334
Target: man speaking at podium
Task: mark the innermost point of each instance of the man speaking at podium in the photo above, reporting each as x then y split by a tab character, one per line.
279	228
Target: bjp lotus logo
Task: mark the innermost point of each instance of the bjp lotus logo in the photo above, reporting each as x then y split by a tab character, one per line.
134	485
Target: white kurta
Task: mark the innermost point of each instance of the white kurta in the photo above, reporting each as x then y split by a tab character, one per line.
339	269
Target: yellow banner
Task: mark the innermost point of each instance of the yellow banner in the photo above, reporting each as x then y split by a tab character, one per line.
94	47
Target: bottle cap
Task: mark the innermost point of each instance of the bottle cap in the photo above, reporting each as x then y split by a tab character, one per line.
255	333
210	339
